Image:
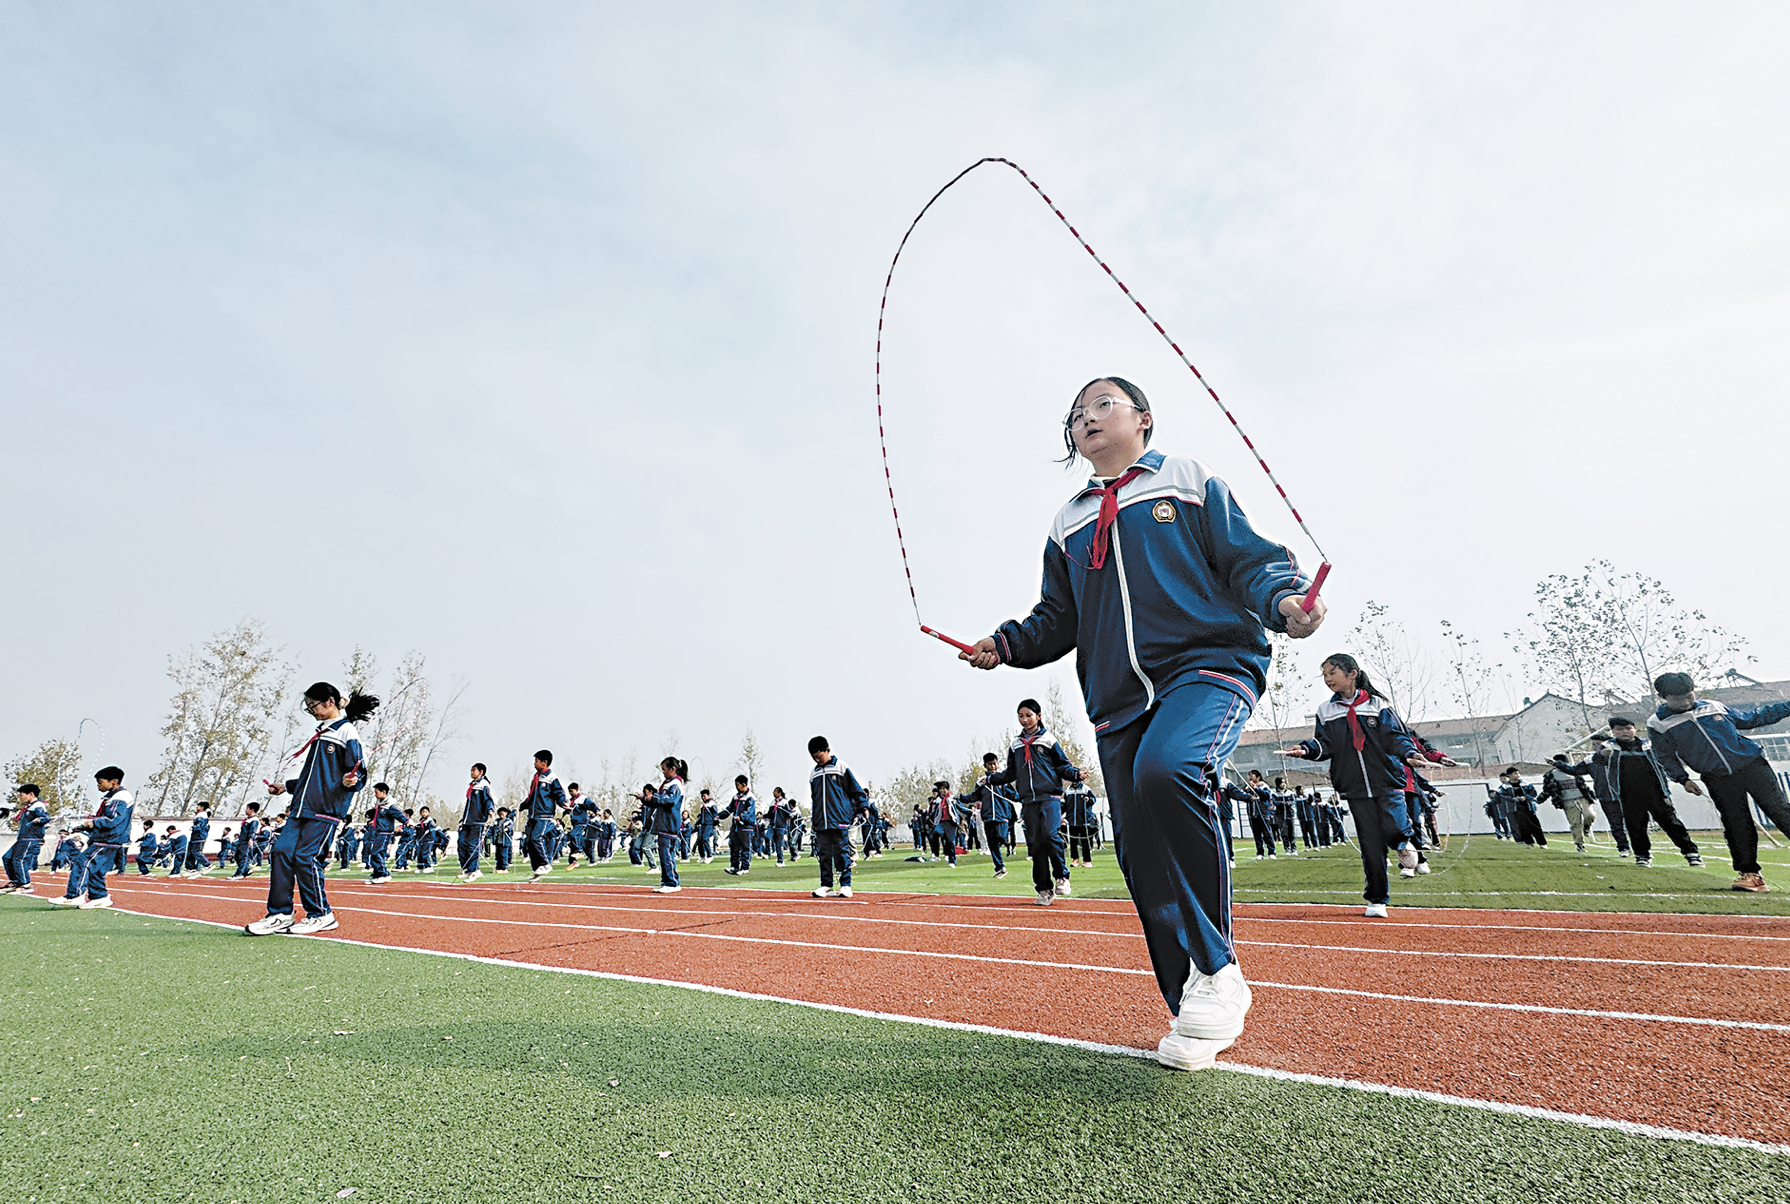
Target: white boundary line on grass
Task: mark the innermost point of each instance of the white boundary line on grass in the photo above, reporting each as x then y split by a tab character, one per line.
1628	1128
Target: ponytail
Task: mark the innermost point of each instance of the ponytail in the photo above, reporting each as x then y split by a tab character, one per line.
357	707
676	768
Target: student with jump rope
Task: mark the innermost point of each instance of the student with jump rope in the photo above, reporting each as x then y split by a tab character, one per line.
1156	579
665	817
470	840
1369	748
322	801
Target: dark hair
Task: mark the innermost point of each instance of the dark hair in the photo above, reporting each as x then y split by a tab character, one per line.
1138	401
1673	683
500	811
252	808
382	786
1278	780
110	773
202	806
1255	773
819	744
741	780
410	810
372	811
573	786
545	755
1029	704
1621	721
31	789
1349	664
1508	772
988	756
941	784
679	768
356	706
479	765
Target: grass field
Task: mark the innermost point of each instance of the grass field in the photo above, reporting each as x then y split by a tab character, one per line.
152	1060
1480	872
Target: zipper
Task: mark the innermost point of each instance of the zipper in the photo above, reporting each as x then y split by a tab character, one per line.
1698	724
1130	634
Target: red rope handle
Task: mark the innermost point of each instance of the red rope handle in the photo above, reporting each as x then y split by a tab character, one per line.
881	314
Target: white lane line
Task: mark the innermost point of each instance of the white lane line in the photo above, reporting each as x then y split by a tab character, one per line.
1582	1120
1521	957
1756	1025
1359	922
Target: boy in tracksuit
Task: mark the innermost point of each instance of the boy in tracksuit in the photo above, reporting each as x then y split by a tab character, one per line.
1629	776
473	818
836	799
742	815
426	829
1037	767
247	834
1705	736
147	849
347	844
322	801
109	835
197	862
384	820
997	812
33	822
546	797
944	821
174	844
778	823
503	840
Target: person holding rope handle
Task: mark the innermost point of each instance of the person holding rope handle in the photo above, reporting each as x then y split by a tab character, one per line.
1156	579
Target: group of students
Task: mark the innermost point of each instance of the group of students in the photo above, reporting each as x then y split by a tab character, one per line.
1279	818
990	817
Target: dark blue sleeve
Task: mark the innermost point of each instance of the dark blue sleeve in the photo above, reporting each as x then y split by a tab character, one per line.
1048	633
1065	768
1318	747
1256	571
1760	716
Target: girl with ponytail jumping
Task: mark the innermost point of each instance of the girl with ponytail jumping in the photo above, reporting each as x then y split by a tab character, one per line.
322	801
665	819
1368	747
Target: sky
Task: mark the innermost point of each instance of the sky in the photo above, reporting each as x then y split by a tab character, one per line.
539	338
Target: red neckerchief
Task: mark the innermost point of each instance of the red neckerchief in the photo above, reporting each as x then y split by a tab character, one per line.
470	789
1355	732
1109	514
1027	741
531	786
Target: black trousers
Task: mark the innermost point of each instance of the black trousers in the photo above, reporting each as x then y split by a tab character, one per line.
1729	793
1638	806
1263	833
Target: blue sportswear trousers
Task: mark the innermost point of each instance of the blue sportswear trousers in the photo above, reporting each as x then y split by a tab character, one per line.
19	860
1380	824
832	848
1044	841
297	859
668	847
997	842
378	844
540	830
739	848
1162	781
87	872
195	856
470	840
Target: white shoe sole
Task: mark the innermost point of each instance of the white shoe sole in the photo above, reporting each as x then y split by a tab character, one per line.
1189	1053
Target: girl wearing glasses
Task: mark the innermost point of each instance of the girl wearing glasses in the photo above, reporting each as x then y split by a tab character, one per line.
1156	579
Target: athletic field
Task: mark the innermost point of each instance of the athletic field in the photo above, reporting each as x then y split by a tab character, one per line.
1528	1024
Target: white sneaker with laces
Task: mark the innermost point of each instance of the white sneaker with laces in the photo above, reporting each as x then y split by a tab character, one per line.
663	889
311	925
1213	1005
381	881
1063	888
1423	867
821	892
66	901
1405	872
1188	1053
1375	911
845	892
475	875
102	901
269	925
1046	898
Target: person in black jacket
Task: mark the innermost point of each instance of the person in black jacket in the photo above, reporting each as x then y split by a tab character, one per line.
1037	767
1637	784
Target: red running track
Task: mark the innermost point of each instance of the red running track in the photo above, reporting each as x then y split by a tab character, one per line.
1672	1021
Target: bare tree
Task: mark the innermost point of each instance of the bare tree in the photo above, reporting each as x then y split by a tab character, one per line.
220	721
1471	685
55	768
1064	724
1400	665
751	759
402	735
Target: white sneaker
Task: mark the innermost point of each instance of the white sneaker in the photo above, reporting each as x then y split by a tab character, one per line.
821	892
1188	1053
1273	857
1062	888
1423	867
1407	873
269	925
66	901
381	881
548	869
1046	898
1258	856
1233	865
1375	911
845	892
1213	1005
313	924
475	875
1407	858
663	889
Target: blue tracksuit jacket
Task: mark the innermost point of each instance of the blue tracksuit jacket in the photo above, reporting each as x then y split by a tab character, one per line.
1707	737
997	804
34	821
545	794
318	790
743	810
1188	593
1377	769
1037	767
111	824
201	831
478	803
835	796
147	846
665	810
389	818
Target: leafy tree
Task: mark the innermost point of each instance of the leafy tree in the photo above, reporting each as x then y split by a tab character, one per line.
220	721
55	767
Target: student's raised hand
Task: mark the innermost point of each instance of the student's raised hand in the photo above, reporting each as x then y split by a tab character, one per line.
276	788
351	778
984	656
1299	623
1290	752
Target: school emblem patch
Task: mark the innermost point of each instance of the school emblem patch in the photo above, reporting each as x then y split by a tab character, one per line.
1163	511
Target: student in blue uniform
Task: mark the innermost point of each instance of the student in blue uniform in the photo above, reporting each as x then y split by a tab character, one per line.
322	801
742	816
997	812
227	847
33	821
426	832
665	819
108	835
406	851
174	846
1691	733
708	818
384	820
944	821
246	834
1079	819
835	799
65	850
470	839
147	847
347	844
197	863
1155	578
1037	767
545	798
777	826
1368	747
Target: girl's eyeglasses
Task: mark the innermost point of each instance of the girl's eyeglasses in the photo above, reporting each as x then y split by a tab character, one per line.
1098	410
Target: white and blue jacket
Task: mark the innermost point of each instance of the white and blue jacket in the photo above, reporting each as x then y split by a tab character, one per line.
667	808
478	803
1707	737
1377	768
545	796
1188	593
835	795
997	804
111	824
318	791
34	821
743	810
1037	767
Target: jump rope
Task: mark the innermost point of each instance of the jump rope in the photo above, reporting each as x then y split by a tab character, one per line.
1317	582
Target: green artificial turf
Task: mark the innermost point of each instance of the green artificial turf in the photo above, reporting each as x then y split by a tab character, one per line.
1476	872
155	1060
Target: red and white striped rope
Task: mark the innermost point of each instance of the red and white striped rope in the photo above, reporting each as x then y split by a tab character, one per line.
881	314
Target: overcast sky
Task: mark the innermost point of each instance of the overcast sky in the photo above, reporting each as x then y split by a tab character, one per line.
539	337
